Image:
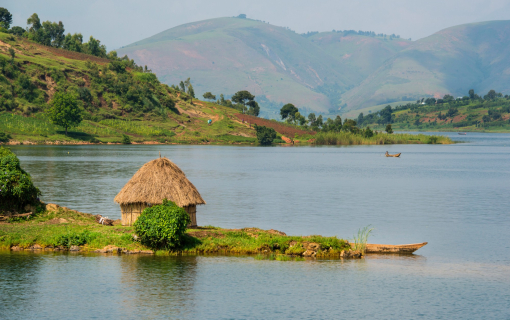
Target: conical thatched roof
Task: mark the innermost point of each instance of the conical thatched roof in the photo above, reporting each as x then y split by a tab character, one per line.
157	180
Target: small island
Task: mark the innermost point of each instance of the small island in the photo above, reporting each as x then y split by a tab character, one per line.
150	223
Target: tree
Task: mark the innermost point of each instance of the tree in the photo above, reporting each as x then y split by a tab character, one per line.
385	115
5	18
17	189
181	85
243	97
19	31
430	101
448	98
73	42
452	112
312	120
265	135
368	133
191	92
350	125
491	95
360	118
288	111
12	53
34	22
64	111
319	121
209	96
388	129
254	109
95	48
471	94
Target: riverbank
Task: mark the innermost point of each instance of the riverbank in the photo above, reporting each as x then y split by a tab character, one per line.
57	228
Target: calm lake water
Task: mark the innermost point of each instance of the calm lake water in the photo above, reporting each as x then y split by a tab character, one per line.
456	197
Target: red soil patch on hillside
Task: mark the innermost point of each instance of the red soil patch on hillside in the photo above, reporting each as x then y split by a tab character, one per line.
279	127
70	54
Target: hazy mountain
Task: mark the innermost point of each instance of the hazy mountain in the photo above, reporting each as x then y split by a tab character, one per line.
326	72
454	60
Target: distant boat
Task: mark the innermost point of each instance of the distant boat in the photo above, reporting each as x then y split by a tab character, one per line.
393	155
462	133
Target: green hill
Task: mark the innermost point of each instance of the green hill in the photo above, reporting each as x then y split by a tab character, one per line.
225	55
490	113
116	99
229	54
452	61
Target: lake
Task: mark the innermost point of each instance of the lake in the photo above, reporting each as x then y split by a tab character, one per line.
453	196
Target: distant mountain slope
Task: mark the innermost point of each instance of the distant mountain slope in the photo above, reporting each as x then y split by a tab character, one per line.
362	54
454	60
328	72
229	54
225	55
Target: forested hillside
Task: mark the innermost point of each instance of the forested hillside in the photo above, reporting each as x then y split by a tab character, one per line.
473	112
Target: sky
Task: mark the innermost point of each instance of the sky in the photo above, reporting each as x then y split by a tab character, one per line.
121	22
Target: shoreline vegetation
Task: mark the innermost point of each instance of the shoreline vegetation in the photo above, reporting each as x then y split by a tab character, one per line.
55	228
347	138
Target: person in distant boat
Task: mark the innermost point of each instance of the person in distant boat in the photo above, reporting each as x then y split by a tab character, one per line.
393	155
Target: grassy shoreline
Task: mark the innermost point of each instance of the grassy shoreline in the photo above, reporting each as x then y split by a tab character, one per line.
346	138
62	229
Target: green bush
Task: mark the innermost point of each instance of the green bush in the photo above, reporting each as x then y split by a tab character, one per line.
4	137
265	135
126	139
16	187
162	226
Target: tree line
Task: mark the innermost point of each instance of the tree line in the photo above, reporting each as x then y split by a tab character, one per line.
52	34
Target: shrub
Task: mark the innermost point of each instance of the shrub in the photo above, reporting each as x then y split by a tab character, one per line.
265	135
16	187
4	137
162	226
126	139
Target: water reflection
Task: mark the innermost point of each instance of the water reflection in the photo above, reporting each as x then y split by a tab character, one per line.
157	287
19	274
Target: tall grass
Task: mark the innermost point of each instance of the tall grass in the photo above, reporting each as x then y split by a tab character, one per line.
347	138
138	128
360	240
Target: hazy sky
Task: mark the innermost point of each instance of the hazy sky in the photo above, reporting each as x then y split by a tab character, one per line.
120	22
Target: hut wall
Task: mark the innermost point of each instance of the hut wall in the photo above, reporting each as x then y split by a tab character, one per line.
131	212
192	211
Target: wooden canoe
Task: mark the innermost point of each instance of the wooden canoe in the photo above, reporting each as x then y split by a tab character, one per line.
393	155
388	248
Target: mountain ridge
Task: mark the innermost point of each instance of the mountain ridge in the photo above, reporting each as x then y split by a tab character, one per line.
327	72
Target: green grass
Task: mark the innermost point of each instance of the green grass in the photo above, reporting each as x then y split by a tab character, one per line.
346	138
67	228
143	129
46	229
361	239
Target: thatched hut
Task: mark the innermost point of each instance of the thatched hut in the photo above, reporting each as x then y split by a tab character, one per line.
157	180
